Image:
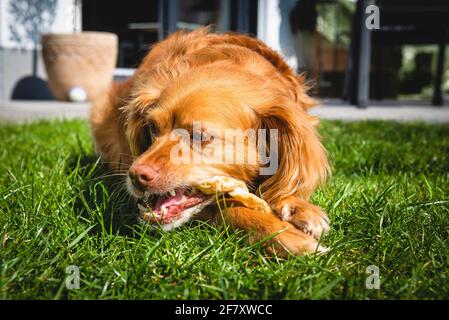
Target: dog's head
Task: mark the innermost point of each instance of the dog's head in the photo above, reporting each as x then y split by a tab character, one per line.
219	123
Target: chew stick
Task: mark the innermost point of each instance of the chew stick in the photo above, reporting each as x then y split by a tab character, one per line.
236	189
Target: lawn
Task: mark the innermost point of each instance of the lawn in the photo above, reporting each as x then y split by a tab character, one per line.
388	201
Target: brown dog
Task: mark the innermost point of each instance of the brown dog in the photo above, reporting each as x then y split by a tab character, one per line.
221	82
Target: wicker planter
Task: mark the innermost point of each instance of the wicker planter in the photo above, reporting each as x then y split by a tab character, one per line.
85	60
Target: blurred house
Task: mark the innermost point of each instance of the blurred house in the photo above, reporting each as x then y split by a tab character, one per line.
326	39
137	25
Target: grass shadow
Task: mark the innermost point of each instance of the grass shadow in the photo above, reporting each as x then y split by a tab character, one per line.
102	197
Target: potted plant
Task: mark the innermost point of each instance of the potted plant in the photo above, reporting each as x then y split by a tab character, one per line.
79	65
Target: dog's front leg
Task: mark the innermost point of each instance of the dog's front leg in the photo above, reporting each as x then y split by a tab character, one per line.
285	238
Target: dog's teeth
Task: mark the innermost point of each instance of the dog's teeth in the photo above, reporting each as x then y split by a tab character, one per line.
172	192
163	210
153	214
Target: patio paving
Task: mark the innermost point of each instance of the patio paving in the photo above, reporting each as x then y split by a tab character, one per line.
25	111
383	110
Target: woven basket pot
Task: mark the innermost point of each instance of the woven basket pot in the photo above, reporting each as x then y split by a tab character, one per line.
85	60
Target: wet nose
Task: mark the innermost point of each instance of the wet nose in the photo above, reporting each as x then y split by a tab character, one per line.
142	175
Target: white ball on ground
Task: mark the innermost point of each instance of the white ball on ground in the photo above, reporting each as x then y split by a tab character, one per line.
77	94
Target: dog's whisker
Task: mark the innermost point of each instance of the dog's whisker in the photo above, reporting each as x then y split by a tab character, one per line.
104	177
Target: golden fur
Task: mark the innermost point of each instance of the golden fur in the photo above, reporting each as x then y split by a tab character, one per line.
229	81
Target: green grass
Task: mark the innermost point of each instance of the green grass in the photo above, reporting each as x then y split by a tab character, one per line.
388	201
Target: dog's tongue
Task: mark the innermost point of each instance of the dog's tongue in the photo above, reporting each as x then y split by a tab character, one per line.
169	207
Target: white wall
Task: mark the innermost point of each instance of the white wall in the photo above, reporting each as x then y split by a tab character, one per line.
63	22
16	57
273	27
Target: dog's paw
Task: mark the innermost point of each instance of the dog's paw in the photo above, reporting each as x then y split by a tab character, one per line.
304	216
288	240
296	242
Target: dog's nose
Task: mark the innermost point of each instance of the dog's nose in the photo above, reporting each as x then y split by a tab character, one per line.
142	175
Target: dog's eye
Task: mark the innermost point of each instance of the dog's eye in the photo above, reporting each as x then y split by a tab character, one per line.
203	137
196	136
153	131
147	136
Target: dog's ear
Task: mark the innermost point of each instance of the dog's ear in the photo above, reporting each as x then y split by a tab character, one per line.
302	161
